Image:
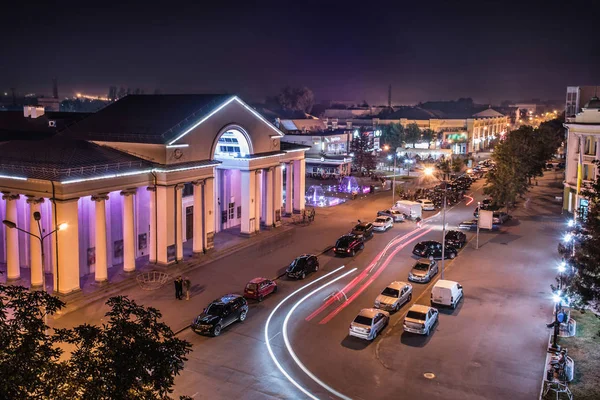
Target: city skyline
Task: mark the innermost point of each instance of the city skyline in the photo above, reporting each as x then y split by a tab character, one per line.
433	52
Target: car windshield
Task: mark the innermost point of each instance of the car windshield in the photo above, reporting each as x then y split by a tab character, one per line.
380	220
421	266
361	319
390	292
298	263
359	227
215	309
416	315
452	235
251	286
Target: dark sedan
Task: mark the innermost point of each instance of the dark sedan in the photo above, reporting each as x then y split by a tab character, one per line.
433	250
348	245
456	239
302	266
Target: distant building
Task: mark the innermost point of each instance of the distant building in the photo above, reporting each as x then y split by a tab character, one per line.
583	137
577	96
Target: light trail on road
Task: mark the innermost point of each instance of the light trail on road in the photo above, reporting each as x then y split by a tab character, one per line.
289	346
470	201
361	276
363	287
268	341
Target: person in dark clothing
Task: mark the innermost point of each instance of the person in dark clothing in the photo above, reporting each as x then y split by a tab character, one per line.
179	288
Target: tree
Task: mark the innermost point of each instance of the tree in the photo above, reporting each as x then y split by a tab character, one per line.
427	135
392	135
30	364
297	99
132	356
457	164
412	134
363	152
582	285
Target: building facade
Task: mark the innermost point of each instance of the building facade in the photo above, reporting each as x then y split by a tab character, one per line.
144	177
577	96
583	138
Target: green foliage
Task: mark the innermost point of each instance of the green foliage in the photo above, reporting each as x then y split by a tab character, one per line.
132	356
392	135
412	133
457	164
29	359
521	156
297	99
583	284
363	152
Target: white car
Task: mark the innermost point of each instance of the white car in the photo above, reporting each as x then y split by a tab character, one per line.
382	224
420	319
394	296
368	323
396	215
426	204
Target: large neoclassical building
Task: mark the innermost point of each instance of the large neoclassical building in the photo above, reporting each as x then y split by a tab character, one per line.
139	178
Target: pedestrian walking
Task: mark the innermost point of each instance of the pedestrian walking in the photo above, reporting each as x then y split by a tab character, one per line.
176	288
418	220
187	284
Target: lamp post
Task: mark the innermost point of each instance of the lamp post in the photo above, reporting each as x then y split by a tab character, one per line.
444	228
558	319
37	216
386	147
478	211
562	267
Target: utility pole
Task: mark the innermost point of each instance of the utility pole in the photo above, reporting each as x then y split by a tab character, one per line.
390	96
444	228
479	213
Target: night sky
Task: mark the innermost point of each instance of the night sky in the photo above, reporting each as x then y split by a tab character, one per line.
427	50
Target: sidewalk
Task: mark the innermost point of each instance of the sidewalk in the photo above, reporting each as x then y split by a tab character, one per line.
221	271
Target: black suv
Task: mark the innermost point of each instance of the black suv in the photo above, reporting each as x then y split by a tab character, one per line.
348	245
364	230
302	265
456	239
221	313
433	250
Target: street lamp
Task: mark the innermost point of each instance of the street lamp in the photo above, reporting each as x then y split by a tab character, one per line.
445	184
37	216
559	317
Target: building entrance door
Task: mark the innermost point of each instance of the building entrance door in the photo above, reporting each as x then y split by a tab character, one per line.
189	222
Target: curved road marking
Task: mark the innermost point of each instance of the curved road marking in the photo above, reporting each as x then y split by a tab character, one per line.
267	340
289	347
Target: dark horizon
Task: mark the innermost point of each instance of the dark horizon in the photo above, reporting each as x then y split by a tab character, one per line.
435	51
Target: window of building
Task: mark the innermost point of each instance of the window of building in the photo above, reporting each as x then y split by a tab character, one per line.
231	210
188	190
589	172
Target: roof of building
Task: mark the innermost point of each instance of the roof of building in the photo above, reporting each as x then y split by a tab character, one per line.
15	126
146	118
488	113
287	146
416	113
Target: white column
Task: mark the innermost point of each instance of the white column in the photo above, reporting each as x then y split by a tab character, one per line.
209	213
289	187
66	279
128	231
299	190
35	248
162	227
12	238
198	241
152	219
248	207
278	193
258	199
179	221
101	270
269	198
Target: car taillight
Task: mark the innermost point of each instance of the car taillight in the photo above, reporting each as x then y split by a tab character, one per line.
334	249
368	330
348	250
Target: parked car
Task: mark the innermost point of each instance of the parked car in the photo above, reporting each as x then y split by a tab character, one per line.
368	323
382	224
302	266
259	288
446	293
433	250
396	215
456	239
348	245
561	165
221	313
426	204
423	271
420	319
500	217
394	296
363	230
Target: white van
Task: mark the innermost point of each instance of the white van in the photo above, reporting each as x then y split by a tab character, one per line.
410	208
446	293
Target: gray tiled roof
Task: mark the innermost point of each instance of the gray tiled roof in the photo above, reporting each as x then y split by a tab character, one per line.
146	118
